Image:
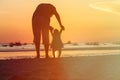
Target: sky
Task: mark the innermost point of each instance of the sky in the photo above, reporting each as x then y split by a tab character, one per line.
84	20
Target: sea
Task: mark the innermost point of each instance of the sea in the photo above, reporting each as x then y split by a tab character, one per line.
69	50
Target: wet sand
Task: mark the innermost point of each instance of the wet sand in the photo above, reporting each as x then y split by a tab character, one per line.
71	68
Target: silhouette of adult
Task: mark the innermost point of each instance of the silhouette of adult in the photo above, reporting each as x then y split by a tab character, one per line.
41	24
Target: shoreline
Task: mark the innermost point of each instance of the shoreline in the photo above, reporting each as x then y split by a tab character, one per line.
64	49
65	54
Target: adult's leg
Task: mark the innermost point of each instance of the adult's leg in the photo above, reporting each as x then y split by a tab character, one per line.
37	46
46	50
45	36
37	36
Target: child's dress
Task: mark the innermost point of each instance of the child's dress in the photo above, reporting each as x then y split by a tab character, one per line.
56	42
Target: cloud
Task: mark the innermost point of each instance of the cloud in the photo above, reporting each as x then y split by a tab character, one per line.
111	6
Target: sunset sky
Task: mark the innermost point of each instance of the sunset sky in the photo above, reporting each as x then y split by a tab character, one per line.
84	20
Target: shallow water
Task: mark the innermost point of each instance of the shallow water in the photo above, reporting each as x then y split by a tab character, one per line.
69	50
67	53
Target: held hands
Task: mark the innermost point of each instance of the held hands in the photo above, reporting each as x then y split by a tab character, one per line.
62	28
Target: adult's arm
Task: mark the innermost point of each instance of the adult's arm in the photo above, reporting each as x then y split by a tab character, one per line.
58	19
51	30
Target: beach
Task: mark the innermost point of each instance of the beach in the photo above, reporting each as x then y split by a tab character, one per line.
84	33
104	67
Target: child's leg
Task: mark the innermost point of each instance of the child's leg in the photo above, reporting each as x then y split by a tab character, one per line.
59	53
53	52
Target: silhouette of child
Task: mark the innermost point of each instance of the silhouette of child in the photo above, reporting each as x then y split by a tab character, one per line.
56	44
